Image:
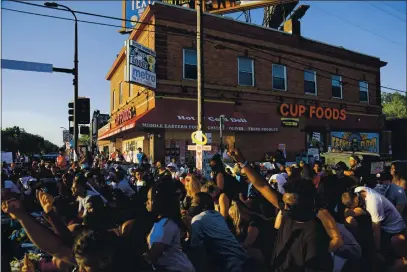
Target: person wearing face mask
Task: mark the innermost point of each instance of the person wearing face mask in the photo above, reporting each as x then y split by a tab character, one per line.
301	238
345	181
207	224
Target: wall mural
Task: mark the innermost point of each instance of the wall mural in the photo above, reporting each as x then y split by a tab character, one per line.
351	141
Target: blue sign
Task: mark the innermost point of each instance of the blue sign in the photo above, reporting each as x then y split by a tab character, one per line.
355	141
134	10
26	66
140	64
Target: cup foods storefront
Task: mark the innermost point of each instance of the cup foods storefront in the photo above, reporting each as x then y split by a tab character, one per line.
164	129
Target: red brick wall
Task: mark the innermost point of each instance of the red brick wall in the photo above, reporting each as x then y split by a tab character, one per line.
221	68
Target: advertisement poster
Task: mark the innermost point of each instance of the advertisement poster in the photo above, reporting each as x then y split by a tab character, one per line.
140	64
282	147
355	141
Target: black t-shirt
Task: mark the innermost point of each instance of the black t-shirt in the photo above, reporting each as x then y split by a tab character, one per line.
357	173
301	247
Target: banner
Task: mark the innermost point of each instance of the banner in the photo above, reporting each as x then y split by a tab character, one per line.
355	141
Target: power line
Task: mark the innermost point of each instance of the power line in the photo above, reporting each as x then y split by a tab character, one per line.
384	2
66	19
343	83
186	35
385	11
82	12
367	30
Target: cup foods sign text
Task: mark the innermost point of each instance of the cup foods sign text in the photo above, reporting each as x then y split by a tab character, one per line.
140	64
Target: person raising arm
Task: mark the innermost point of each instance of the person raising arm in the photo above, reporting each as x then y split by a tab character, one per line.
38	234
262	186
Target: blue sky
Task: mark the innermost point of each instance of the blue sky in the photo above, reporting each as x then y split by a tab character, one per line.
38	102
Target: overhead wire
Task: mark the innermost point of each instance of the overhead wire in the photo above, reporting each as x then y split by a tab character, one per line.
193	32
384	2
379	8
358	26
261	58
82	12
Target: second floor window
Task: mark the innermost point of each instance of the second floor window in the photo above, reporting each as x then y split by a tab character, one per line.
279	77
190	64
246	72
114	100
310	82
336	86
363	91
121	93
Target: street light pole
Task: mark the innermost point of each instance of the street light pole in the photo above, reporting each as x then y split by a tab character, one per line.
76	77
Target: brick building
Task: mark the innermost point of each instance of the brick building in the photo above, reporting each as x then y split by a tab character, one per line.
275	88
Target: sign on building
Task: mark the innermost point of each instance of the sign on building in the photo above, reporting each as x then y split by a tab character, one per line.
140	64
133	9
66	136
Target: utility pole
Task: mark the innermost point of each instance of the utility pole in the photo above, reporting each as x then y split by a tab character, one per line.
200	66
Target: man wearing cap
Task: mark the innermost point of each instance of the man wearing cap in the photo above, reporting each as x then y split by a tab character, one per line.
394	193
355	170
345	182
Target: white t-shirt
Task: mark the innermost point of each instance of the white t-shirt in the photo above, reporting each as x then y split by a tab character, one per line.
83	200
382	210
8	184
167	232
124	185
281	180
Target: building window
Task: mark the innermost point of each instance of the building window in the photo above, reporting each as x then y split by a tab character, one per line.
114	100
121	93
125	73
190	64
363	91
246	71
279	77
336	86
310	82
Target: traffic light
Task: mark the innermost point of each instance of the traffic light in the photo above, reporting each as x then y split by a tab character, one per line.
70	111
84	130
83	110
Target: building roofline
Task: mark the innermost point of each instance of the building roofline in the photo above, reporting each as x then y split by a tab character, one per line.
268	29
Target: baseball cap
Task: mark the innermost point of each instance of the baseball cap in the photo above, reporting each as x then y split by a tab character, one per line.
384	176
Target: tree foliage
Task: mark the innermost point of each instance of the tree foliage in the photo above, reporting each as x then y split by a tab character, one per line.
15	139
84	140
394	105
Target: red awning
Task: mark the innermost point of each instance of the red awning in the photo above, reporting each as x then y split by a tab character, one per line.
181	114
122	127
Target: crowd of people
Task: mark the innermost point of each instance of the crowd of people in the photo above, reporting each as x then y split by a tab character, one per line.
99	215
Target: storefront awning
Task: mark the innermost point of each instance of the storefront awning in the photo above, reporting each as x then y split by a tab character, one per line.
122	127
182	114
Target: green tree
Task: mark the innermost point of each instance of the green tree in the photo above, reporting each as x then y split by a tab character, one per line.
394	105
15	139
84	140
